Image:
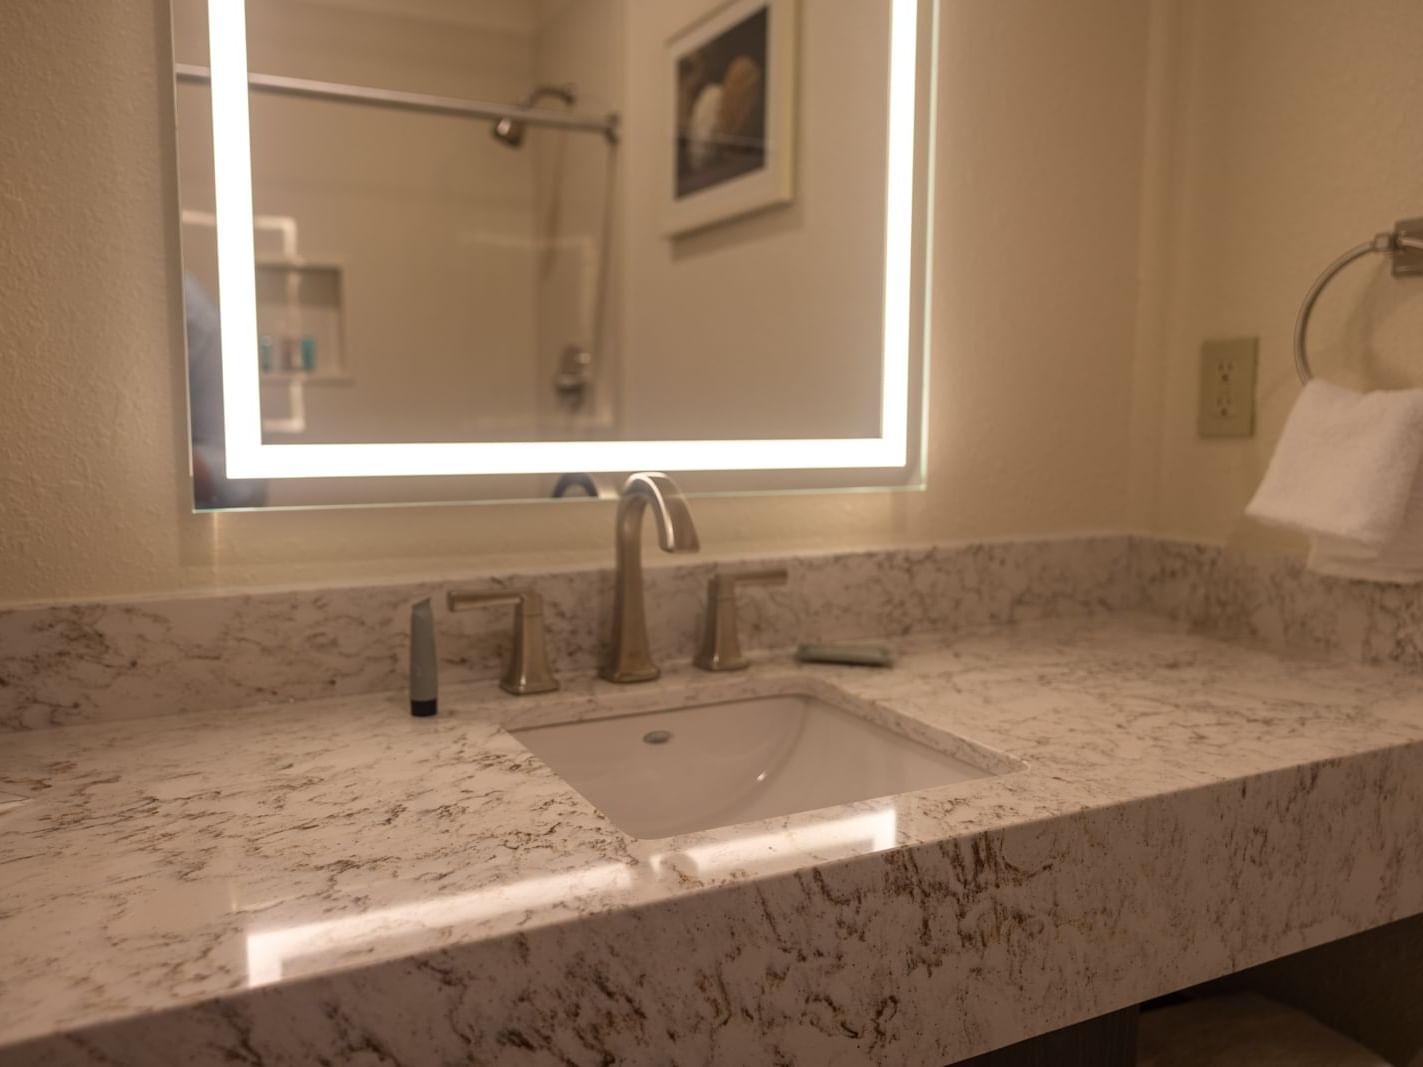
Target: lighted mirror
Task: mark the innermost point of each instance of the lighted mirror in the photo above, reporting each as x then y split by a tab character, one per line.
496	249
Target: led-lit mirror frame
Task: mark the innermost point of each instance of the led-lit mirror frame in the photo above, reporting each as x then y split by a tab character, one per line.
893	458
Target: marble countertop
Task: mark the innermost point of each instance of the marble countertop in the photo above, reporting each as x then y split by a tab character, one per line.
264	879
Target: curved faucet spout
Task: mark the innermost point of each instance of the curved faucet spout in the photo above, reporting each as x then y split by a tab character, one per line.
629	654
675	530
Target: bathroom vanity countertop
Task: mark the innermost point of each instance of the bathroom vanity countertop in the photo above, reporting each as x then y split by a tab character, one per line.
338	882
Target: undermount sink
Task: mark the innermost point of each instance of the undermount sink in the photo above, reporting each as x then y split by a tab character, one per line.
663	773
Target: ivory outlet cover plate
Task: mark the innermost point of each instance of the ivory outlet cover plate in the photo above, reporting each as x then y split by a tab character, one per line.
1227	397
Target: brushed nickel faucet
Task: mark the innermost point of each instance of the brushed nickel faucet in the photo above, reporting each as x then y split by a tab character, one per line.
528	671
629	655
721	644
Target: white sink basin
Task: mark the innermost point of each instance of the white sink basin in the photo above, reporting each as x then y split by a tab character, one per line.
663	773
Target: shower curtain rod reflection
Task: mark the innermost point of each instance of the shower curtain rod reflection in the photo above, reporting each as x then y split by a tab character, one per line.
402	101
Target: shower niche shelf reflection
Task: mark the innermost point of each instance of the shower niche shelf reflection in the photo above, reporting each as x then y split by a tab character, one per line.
300	322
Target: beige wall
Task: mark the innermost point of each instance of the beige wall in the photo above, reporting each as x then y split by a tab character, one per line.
1287	132
1041	120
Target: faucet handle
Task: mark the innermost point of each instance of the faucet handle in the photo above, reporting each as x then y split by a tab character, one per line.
721	644
528	670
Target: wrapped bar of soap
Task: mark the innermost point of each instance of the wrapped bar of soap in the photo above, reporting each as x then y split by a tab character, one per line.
848	655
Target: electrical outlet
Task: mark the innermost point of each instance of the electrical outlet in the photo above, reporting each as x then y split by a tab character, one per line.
1227	399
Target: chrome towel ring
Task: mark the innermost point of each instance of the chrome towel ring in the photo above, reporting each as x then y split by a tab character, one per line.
1404	243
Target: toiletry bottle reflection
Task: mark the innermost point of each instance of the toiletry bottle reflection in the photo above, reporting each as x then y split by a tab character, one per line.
212	489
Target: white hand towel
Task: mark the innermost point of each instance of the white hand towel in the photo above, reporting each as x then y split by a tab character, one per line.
1348	472
1397	560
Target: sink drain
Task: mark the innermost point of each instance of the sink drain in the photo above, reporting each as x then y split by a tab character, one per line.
656	737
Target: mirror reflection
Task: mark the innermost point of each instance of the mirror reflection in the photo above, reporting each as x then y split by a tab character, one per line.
544	221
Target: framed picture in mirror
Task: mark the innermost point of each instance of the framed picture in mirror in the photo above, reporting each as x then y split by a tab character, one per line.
731	98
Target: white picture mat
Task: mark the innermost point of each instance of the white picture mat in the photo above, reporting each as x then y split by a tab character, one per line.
769	185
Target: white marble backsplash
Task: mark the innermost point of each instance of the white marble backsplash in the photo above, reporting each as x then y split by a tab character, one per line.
114	660
1272	601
